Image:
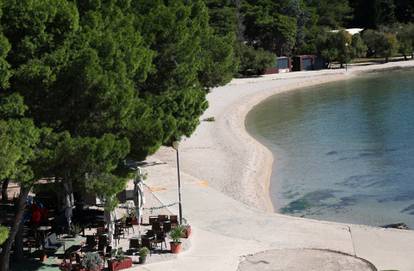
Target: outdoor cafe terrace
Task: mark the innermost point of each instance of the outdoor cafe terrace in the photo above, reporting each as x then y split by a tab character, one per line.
48	246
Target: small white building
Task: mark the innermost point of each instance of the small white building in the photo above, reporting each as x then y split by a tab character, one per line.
351	31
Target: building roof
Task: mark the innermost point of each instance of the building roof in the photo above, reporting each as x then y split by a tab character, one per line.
351	31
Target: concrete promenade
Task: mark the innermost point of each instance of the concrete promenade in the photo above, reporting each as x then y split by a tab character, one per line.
225	179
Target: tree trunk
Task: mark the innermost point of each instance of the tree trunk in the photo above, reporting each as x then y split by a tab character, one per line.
4	187
109	219
69	202
18	243
21	204
139	199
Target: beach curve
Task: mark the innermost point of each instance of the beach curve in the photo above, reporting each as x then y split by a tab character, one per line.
226	160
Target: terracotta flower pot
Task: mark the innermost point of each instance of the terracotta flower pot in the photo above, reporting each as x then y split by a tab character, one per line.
114	265
175	247
187	231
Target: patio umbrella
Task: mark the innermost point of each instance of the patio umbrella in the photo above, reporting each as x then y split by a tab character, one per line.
139	199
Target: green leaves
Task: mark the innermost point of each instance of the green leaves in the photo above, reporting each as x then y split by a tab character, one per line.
4	233
332	13
254	61
405	36
5	71
37	27
268	28
381	44
18	138
339	46
100	81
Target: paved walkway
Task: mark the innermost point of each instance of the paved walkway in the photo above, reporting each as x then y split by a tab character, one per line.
303	260
228	168
225	230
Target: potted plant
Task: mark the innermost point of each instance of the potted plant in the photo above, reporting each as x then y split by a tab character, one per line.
143	252
119	261
186	231
176	235
92	262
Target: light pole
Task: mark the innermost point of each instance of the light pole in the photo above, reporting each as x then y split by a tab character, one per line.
180	210
346	60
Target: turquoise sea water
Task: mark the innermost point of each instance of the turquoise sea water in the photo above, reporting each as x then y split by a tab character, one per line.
343	151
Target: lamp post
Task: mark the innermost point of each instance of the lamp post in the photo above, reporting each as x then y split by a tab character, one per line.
346	60
180	210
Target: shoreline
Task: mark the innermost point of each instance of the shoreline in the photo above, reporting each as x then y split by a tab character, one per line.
226	199
245	105
225	155
269	156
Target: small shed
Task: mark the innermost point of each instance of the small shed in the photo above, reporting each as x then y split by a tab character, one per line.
283	64
303	62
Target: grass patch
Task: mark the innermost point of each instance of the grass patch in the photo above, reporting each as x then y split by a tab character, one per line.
209	119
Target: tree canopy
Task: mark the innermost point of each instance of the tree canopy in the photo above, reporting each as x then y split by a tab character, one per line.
86	84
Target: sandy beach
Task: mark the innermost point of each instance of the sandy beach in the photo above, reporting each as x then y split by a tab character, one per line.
226	176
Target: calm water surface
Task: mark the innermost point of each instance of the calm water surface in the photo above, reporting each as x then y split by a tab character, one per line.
343	151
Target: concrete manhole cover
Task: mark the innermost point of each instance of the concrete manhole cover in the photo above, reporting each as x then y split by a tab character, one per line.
303	260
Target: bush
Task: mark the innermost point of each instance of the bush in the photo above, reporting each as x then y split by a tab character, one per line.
209	119
143	252
4	234
92	261
176	234
381	44
254	61
405	36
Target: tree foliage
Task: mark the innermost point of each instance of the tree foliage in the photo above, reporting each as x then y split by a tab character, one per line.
381	44
85	84
334	14
4	233
268	28
254	61
341	46
359	48
374	13
405	36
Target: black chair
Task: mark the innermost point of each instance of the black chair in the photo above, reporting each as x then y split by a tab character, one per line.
150	233
102	242
174	221
160	239
156	227
134	243
153	219
166	226
91	242
128	224
148	242
118	232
